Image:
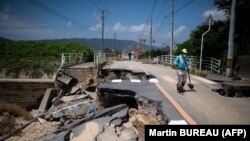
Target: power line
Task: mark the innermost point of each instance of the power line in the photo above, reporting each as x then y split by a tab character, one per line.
153	8
180	17
96	5
162	23
59	15
183	6
103	6
161	11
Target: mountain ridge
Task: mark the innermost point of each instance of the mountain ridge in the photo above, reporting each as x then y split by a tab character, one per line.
95	43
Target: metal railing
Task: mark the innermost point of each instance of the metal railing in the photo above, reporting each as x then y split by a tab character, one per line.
70	59
99	58
209	63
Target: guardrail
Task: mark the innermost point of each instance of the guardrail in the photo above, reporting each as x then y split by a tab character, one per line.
99	58
208	63
212	64
70	59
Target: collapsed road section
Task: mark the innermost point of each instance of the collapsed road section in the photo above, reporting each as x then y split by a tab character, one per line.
116	105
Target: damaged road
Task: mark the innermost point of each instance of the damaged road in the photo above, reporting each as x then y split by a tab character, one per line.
97	109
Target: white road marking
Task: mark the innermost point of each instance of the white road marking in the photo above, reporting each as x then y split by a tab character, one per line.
135	80
177	122
116	81
153	80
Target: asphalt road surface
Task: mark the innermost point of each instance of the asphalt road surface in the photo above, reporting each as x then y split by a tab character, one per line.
198	106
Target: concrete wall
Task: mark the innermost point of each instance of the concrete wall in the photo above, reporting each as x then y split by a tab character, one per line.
25	92
243	62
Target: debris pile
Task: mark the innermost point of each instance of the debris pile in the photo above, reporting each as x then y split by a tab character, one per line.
87	110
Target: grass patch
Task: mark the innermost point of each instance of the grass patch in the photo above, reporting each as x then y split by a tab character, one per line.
199	73
15	110
8	115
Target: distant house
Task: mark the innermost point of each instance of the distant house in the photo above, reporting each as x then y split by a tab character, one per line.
107	50
110	54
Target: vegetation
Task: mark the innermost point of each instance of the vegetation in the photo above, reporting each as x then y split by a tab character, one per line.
8	115
242	28
216	41
15	110
35	58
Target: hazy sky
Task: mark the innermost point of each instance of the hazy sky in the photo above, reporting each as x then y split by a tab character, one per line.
129	19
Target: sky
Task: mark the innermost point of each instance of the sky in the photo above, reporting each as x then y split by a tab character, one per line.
123	19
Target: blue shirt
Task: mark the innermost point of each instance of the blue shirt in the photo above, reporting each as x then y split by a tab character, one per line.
181	62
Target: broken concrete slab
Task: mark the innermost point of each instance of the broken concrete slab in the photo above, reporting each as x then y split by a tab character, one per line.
105	112
93	125
102	128
73	98
64	80
74	110
146	95
48	96
90	130
74	90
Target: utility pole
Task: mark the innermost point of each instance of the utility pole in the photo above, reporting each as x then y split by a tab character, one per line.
150	42
102	31
231	39
172	29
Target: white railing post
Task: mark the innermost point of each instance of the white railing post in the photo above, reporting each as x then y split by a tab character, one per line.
211	64
190	64
219	67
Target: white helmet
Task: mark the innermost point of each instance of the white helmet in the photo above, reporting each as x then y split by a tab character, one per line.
184	51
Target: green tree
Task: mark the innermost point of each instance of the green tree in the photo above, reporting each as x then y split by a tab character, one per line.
214	43
242	28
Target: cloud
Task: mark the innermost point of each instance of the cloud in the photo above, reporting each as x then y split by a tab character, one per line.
96	28
10	21
137	28
180	34
118	27
69	24
95	14
181	30
217	15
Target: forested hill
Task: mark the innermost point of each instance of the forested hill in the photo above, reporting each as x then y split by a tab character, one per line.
95	43
2	39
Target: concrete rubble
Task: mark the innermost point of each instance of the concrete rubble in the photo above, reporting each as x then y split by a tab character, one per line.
103	125
77	116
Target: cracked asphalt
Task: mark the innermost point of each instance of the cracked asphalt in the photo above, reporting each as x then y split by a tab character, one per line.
202	105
